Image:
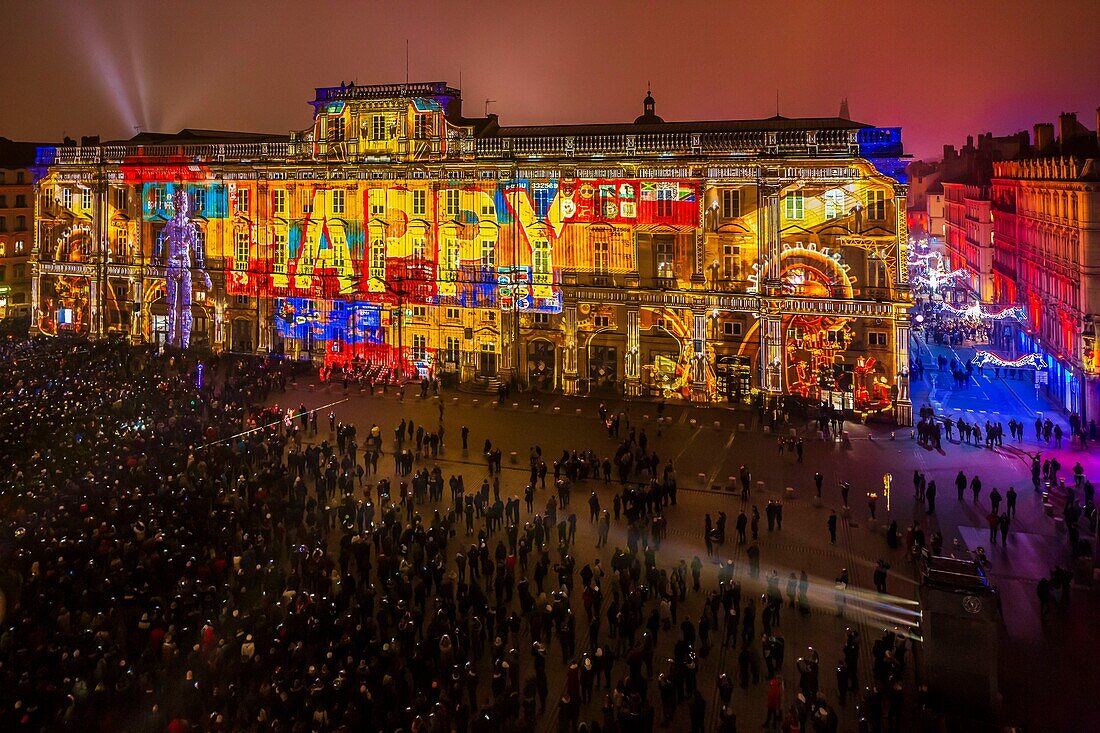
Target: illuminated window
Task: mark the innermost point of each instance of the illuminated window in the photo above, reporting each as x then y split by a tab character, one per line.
453	349
307	201
86	199
420	203
876	205
279	245
665	197
378	204
601	257
452	203
450	259
378	258
419	311
731	262
121	199
488	254
422	126
199	206
338	198
121	242
20	247
418	248
731	204
453	314
278	201
663	251
876	272
339	252
240	259
419	348
336	129
540	258
307	255
378	127
795	204
834	203
67	198
243	200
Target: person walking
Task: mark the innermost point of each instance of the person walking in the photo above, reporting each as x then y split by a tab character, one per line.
960	484
1010	502
930	495
831	523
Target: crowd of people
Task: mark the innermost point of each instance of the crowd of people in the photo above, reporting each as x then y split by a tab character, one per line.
186	556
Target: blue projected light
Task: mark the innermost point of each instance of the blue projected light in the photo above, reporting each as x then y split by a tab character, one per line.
350	323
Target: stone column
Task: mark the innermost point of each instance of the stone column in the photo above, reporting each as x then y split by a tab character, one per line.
771	352
698	253
633	356
569	352
94	326
768	237
904	408
699	355
138	313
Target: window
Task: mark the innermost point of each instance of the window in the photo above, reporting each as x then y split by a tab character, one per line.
418	248
378	258
834	203
601	259
876	273
450	259
20	247
243	200
488	254
240	255
339	252
160	199
3	202
419	311
3	273
306	256
420	203
86	199
278	201
419	348
540	319
422	126
279	244
601	321
452	202
378	127
3	223
67	198
731	204
876	205
336	129
731	262
338	197
307	201
378	204
19	272
452	314
795	204
121	241
665	197
20	223
20	201
20	177
198	202
453	349
876	338
540	261
731	328
242	300
663	250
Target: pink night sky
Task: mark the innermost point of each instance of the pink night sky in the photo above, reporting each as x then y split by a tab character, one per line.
942	69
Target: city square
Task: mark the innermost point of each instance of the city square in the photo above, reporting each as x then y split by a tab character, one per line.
643	403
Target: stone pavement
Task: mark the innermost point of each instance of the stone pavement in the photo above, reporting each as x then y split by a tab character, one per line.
699	448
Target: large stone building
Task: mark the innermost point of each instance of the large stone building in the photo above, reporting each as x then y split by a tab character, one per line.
714	261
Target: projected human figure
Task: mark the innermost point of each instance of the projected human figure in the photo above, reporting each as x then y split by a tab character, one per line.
181	238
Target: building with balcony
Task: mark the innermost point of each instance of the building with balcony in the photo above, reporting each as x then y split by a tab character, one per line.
968	235
16	232
714	260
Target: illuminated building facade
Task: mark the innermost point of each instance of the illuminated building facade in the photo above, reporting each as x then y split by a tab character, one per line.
968	236
1047	222
713	261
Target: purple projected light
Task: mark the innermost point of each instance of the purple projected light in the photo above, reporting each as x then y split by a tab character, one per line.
180	236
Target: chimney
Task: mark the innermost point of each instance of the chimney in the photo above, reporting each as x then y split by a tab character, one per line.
1044	135
1067	127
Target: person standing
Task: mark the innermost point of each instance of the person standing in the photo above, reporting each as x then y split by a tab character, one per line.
930	495
976	488
818	480
1002	525
831	522
960	484
1010	502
